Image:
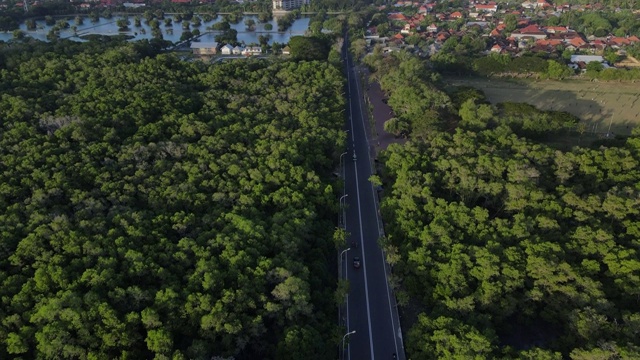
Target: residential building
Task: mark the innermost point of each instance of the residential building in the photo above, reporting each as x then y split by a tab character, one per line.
202	48
586	59
226	49
289	4
531	31
489	7
252	50
237	50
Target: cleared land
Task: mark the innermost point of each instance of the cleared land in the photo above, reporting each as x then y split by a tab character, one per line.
598	104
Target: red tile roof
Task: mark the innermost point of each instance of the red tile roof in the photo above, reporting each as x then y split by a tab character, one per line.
486	7
577	42
530	29
397	16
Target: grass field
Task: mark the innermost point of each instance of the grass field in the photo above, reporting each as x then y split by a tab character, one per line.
599	105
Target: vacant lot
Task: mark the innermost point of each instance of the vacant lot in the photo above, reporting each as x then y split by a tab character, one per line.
598	104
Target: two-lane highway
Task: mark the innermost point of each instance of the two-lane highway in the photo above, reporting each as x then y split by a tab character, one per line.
371	305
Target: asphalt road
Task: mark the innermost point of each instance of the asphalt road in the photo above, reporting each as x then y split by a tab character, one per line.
371	305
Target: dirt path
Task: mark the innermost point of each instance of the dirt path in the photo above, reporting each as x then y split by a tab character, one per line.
381	113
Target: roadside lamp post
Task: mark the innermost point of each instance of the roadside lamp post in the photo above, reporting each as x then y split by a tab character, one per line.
342	167
345	336
342	253
342	210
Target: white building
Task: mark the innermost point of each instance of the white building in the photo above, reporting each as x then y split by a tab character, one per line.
289	4
226	49
237	50
252	50
586	58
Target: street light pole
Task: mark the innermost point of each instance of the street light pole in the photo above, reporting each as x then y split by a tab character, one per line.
344	251
340	263
342	210
345	336
342	197
341	167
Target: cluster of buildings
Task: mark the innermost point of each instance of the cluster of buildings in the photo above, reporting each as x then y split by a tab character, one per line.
213	48
483	15
207	49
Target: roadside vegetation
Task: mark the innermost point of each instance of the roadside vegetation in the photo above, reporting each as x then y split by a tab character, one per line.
153	208
501	246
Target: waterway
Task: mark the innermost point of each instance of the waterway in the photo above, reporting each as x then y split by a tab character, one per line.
171	33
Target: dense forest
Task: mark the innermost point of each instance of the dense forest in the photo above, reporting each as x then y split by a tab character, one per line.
507	247
154	208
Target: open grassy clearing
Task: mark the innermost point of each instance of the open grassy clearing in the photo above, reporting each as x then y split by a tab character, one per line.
598	104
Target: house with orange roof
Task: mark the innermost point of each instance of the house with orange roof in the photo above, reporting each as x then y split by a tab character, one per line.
556	29
496	49
442	37
576	43
489	7
531	31
418	18
543	4
408	29
538	4
597	45
550	43
397	17
455	15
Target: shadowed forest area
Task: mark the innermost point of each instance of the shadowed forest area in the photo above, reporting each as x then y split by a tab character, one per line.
502	246
153	208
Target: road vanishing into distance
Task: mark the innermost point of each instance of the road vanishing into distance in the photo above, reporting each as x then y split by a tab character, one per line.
371	309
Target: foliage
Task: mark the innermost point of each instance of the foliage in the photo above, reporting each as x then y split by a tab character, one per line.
419	106
509	243
250	24
526	120
499	232
496	64
287	20
159	208
309	47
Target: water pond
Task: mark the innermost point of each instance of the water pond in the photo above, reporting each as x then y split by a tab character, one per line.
171	33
